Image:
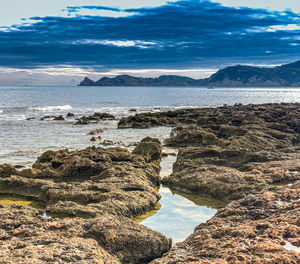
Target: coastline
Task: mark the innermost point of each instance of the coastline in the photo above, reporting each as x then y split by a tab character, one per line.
231	153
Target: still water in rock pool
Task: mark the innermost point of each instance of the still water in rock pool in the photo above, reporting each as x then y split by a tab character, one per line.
178	213
20	200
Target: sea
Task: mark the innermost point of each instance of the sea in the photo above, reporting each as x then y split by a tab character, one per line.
24	136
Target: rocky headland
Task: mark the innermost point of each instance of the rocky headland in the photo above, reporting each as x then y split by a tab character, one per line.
286	75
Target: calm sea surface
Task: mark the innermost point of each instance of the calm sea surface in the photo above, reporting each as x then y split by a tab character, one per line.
22	140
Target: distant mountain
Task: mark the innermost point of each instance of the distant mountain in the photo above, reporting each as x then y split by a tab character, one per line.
127	80
287	75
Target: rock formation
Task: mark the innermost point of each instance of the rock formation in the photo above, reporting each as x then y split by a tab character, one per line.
28	237
95	118
237	154
247	156
107	186
150	149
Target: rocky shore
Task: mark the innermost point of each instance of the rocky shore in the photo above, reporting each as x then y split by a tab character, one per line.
236	154
247	156
105	187
27	237
255	229
231	151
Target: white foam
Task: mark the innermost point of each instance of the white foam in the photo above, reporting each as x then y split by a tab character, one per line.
50	108
1	111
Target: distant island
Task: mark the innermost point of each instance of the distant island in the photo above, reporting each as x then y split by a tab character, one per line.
287	75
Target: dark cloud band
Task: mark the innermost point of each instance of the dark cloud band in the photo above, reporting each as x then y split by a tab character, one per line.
177	35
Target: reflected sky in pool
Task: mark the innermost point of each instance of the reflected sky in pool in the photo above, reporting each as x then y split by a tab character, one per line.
180	212
177	216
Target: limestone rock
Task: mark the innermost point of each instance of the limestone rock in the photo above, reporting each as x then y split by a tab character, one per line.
87	182
95	132
27	237
149	148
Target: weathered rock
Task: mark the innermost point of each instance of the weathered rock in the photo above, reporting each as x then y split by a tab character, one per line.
87	182
238	153
192	136
70	115
218	182
47	117
107	142
6	170
149	148
229	174
95	131
83	121
59	118
104	186
98	138
255	229
27	237
284	114
95	118
31	118
231	155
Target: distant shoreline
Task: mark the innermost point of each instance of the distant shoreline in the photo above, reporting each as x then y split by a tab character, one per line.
287	75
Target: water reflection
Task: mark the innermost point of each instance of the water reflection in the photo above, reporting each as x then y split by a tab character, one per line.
178	212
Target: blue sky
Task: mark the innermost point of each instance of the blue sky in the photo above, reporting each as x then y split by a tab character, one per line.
61	41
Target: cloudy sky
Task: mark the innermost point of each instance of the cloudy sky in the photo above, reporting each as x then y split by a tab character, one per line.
58	42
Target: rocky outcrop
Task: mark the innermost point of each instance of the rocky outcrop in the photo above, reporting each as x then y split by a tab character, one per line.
237	154
192	136
233	153
97	138
27	237
95	118
260	228
106	187
70	115
59	118
96	131
87	182
281	117
87	82
150	149
230	151
229	161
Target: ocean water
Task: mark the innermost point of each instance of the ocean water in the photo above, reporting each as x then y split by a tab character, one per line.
22	140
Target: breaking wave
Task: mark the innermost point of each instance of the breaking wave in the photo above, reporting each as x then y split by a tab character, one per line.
49	108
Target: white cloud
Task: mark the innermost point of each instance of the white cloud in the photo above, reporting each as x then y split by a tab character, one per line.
274	28
284	27
279	5
117	43
12	11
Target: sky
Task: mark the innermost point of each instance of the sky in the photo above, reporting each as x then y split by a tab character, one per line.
59	42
